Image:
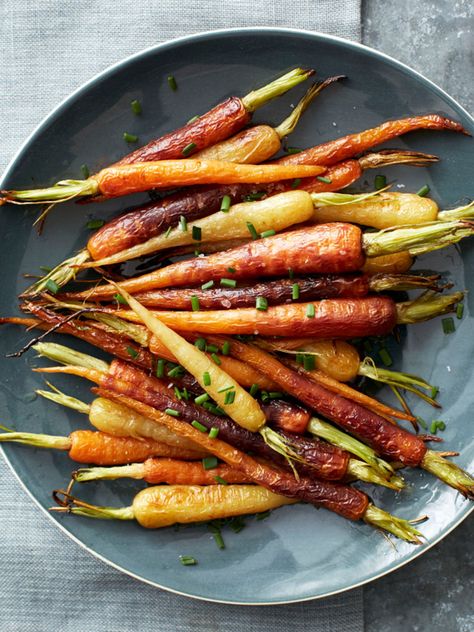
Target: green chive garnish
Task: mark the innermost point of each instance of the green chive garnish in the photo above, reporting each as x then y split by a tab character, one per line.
206	378
196	424
168	231
254	389
52	286
213	432
216	359
85	171
207	286
183	224
187	560
309	363
219	540
191	120
133	353
172	83
252	230
212	348
422	423
459	311
45	269
225	388
275	394
172	412
200	399
296	183
237	524
136	107
436	425
229	398
310	310
197	253
263	516
268	233
295	291
253	197
385	356
129	138
175	371
228	282
226	348
293	150
195	303
225	204
219	479
434	392
291	274
200	344
197	233
441	425
380	182
95	223
261	303
299	358
423	191
324	179
209	462
120	299
188	149
160	368
448	325
185	394
177	392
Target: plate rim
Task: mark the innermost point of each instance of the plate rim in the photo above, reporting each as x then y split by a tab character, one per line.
203	35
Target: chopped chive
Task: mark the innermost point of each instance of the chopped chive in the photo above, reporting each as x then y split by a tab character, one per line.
185	394
191	120
309	363
216	359
385	356
200	399
268	233
422	423
129	138
160	368
229	398
172	83
434	392
136	107
213	432
213	408
188	149
219	479
441	425
253	197
212	348
52	286
231	270
133	353
207	286
264	395
261	304
199	426
209	462
324	179
295	291
225	204
436	425
177	392
448	325
228	282
167	234
206	378
299	358
183	224
423	191
380	182
263	516
197	233
237	524
254	389
120	299
95	223
85	171
172	412
296	183
187	560
225	388
218	539
252	230
175	371
433	427
197	253
459	311
195	303
291	274
225	348
200	343
310	310
274	395
293	150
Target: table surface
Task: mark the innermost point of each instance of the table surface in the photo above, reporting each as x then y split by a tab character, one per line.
436	591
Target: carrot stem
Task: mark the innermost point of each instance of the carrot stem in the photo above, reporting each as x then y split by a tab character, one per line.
381	519
259	97
449	473
37	440
426	306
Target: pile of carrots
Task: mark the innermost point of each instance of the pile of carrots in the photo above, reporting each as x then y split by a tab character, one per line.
227	388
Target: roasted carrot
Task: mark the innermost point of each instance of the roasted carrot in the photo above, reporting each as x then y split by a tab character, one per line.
163	470
287	416
99	448
348	146
395	263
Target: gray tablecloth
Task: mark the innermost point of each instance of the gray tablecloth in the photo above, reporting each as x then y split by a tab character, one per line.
49	48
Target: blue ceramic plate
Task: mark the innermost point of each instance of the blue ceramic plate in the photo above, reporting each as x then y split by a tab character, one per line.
298	553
